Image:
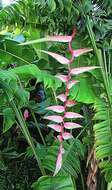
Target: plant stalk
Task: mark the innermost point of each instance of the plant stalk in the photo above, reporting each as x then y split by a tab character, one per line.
36	124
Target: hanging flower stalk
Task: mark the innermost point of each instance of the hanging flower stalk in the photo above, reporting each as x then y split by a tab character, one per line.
59	119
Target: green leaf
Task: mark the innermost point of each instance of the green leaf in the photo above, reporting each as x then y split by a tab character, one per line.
103	137
9	119
54	183
27	72
22	96
67	5
61	4
51	5
2	165
83	91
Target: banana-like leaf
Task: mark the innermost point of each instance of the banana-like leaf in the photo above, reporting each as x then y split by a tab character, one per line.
84	91
27	72
54	183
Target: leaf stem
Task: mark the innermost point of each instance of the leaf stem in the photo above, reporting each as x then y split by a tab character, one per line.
37	126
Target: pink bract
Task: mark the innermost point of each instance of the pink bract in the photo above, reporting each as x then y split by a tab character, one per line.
57	128
58	109
71	125
61	59
55	118
72	115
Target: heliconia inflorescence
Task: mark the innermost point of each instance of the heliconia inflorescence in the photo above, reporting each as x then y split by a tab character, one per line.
59	121
26	114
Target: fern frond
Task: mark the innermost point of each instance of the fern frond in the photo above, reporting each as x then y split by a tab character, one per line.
103	137
13	12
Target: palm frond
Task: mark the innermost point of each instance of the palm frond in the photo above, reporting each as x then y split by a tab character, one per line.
103	137
14	12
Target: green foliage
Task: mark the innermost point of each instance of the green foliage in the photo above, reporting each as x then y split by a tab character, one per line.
84	91
74	151
28	72
9	119
103	137
54	183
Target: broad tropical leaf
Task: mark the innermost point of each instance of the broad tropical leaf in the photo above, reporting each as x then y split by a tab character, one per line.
54	183
84	91
27	72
